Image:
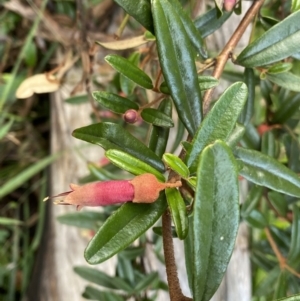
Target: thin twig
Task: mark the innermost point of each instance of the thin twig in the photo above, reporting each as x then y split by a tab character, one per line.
227	51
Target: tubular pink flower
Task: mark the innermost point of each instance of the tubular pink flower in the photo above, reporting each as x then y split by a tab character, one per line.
141	189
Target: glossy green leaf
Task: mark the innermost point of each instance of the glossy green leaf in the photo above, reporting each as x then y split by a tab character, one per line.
180	131
157	118
91	293
131	164
268	144
178	211
159	136
205	83
177	63
85	219
281	289
291	298
140	10
216	218
127	86
114	102
219	122
278	202
188	252
279	42
280	68
122	228
176	164
236	135
211	21
252	200
287	109
266	171
129	70
294	252
101	278
248	110
113	136
286	80
192	32
256	219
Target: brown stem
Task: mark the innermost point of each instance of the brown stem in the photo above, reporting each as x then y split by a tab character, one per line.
173	281
227	51
282	261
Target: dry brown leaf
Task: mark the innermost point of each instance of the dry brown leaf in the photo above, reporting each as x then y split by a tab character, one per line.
38	83
124	44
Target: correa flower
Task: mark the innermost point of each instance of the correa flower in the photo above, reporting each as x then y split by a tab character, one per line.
144	188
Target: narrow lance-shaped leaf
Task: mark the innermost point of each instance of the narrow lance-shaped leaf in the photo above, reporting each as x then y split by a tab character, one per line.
131	164
279	42
113	136
159	136
286	80
192	32
294	252
114	102
178	211
177	63
140	10
176	164
219	122
122	228
211	21
157	118
266	171
129	70
215	219
248	110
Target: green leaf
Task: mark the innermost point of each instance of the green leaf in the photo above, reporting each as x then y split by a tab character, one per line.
295	5
147	282
131	164
78	99
85	219
140	10
268	144
127	86
113	136
280	68
92	293
292	298
192	32
211	21
26	174
205	83
101	278
30	55
177	63
281	288
252	200
157	118
6	221
177	165
122	228
266	171
129	70
294	252
278	202
215	219
159	136
286	80
114	102
248	110
5	128
279	42
236	135
219	122
287	109
178	212
256	219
